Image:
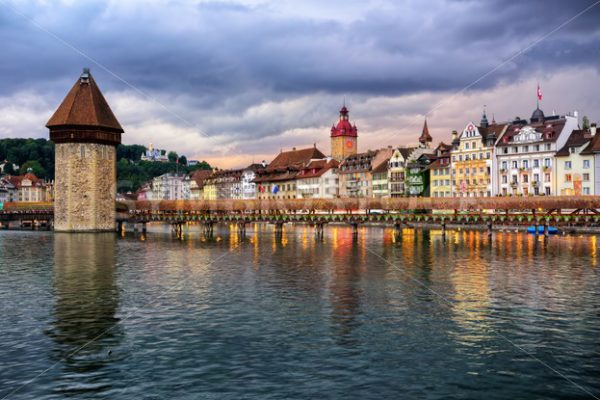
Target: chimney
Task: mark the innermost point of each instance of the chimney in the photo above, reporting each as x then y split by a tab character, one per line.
593	129
454	135
293	149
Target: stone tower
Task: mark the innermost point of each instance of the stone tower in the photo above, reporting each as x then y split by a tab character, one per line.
344	137
86	134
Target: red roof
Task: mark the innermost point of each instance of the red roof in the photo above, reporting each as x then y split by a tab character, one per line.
85	106
343	127
294	159
317	168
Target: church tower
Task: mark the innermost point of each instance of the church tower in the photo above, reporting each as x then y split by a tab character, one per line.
86	134
344	137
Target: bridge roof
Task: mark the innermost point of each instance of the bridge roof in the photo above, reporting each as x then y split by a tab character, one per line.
85	106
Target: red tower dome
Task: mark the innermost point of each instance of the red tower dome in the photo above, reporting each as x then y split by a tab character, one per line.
343	127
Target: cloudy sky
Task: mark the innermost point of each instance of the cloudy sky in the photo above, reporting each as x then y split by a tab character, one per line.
236	81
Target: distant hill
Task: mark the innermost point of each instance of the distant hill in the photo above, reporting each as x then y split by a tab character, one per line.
38	154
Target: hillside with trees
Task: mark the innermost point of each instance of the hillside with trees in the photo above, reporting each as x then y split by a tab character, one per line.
132	172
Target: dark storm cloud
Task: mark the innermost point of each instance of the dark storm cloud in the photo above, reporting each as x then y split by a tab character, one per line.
227	57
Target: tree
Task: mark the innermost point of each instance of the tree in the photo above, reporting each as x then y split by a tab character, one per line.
8	168
34	167
183	160
585	124
172	156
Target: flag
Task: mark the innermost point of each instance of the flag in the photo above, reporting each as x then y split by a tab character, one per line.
539	92
275	189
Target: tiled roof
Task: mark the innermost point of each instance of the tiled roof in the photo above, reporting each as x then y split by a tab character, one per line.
316	168
200	176
578	138
550	131
85	106
494	130
405	151
294	159
593	146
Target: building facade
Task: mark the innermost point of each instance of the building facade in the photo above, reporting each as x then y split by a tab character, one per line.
397	171
575	169
278	179
525	154
440	172
319	180
168	187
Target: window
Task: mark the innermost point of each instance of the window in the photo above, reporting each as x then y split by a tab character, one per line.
481	156
547	162
586	190
515	149
505	150
547	146
525	149
504	179
460	157
474	171
504	165
586	164
586	177
546	177
467	145
467	158
547	191
525	178
487	155
567	164
568	178
536	163
525	164
536	177
537	147
515	164
514	179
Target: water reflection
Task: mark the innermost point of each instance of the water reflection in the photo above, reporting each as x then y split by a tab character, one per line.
344	288
86	301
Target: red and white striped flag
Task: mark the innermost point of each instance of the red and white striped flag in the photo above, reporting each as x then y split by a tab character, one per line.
539	92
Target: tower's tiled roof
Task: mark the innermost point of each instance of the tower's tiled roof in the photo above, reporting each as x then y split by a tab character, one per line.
85	106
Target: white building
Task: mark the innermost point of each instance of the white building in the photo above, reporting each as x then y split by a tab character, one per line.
168	187
248	186
8	191
318	179
525	154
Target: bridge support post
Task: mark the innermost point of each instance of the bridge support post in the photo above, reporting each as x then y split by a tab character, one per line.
489	228
208	228
536	226
444	228
278	227
398	230
354	229
144	228
319	230
241	227
546	233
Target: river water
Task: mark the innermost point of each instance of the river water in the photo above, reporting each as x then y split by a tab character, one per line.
100	316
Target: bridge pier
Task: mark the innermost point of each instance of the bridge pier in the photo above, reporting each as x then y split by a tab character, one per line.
490	228
444	229
319	230
536	226
241	228
354	229
208	228
398	231
144	228
279	227
546	233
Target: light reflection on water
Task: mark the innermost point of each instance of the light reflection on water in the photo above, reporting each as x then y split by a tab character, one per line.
159	315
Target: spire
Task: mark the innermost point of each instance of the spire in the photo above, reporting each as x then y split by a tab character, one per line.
425	136
493	119
484	121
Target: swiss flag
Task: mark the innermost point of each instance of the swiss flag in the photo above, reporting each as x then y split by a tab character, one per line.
539	92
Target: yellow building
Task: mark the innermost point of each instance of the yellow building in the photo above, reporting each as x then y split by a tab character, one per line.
575	167
439	172
472	157
344	137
